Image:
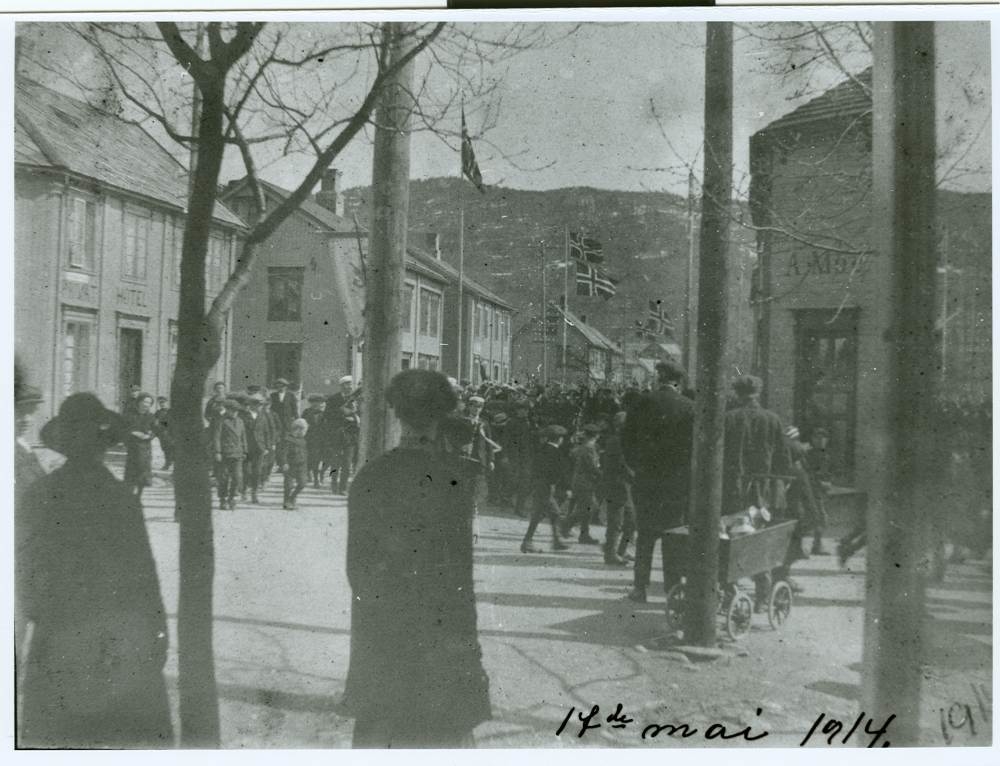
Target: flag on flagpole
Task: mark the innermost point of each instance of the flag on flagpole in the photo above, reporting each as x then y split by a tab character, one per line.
592	280
470	168
585	249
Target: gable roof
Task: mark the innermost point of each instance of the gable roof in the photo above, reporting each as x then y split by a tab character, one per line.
850	98
52	130
416	258
592	335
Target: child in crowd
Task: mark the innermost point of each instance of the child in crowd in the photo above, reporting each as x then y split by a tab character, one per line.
229	443
294	461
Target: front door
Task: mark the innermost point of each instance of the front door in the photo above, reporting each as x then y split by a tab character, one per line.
129	360
284	360
826	381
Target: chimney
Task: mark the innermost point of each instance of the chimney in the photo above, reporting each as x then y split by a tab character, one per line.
327	194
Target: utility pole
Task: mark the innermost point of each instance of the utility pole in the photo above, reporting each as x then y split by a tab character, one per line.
713	294
385	269
545	318
903	157
688	354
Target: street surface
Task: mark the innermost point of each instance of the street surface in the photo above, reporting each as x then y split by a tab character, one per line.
556	633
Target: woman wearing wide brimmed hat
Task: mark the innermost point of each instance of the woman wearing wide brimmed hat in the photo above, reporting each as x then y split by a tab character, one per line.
87	582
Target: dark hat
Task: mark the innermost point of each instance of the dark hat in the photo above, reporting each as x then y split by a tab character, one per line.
312	398
253	389
500	418
591	428
231	403
256	398
745	385
78	414
162	399
669	370
281	382
552	431
239	398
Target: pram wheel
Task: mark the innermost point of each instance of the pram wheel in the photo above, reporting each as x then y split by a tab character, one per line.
779	605
738	616
675	607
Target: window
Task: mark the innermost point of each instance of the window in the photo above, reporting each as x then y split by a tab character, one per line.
77	354
430	311
215	263
136	246
80	237
172	349
475	320
176	250
428	362
284	294
406	309
407	360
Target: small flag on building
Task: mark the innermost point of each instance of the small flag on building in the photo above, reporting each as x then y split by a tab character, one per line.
585	249
470	168
593	280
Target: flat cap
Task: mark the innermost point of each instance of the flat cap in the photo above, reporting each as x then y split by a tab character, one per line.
552	431
747	384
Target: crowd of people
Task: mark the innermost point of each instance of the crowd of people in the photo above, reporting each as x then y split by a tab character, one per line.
575	458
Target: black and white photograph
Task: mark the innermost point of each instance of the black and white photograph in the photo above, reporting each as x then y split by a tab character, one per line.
450	381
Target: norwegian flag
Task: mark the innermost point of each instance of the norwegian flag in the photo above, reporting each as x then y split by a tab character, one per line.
657	321
470	168
585	249
592	280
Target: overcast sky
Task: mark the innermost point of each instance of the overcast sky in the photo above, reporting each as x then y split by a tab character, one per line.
581	109
581	112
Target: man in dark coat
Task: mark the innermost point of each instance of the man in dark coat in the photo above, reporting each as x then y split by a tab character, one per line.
657	445
550	484
343	433
284	404
87	582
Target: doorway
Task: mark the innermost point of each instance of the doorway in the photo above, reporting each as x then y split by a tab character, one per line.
129	361
284	360
826	375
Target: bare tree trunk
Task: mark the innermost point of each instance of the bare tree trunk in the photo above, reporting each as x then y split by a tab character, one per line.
713	295
904	153
386	263
198	349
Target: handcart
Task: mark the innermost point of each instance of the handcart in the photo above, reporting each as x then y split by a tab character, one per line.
759	552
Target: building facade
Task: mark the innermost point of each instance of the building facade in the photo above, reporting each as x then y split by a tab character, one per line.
301	317
99	221
591	358
823	306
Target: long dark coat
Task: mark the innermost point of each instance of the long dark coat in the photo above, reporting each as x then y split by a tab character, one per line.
657	442
139	452
416	664
87	580
756	451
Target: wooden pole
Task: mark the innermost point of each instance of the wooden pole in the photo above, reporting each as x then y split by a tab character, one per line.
461	281
689	309
386	267
545	319
903	155
565	317
713	278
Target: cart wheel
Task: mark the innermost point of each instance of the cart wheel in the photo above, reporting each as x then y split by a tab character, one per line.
675	607
779	606
738	616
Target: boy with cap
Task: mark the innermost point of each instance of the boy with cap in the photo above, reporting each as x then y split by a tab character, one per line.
548	488
260	442
316	442
229	444
586	475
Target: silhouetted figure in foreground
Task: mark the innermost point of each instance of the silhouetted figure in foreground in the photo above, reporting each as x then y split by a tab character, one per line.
416	677
87	583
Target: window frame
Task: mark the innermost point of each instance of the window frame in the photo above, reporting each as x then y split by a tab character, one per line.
88	368
432	327
144	219
90	216
284	271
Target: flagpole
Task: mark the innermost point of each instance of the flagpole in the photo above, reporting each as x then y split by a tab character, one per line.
565	300
461	278
545	319
689	308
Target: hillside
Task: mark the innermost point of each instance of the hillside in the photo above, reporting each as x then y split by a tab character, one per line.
644	236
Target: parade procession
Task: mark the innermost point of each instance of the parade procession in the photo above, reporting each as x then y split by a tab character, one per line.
447	384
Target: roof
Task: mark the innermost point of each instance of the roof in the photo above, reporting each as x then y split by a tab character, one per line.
593	336
56	131
849	98
417	258
659	350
